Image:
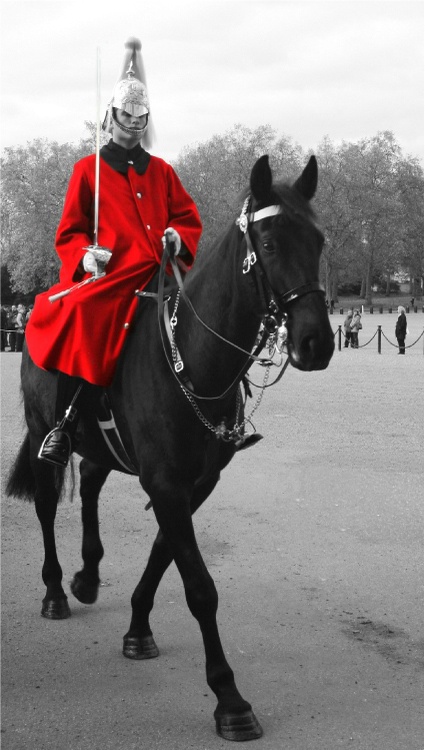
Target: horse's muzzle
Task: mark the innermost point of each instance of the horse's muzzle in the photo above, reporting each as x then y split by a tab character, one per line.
312	351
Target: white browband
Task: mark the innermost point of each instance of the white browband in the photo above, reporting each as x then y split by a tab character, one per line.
263	213
245	218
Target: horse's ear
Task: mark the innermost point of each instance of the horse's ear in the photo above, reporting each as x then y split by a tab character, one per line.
261	179
307	183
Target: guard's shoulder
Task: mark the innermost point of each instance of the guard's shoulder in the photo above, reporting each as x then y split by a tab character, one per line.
83	167
159	163
85	163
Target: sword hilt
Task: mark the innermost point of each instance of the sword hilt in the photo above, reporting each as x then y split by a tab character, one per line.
102	256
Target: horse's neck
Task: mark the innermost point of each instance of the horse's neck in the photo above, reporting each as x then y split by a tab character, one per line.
225	301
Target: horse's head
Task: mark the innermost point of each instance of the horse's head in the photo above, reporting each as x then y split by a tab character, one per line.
287	244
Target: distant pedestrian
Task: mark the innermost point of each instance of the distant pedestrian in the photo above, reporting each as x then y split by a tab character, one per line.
3	328
347	328
20	328
332	305
355	327
412	302
11	327
401	329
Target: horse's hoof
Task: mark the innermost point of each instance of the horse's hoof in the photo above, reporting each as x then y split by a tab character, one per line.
140	648
238	727
86	593
56	609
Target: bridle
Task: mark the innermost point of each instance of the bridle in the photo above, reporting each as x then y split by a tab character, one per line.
275	302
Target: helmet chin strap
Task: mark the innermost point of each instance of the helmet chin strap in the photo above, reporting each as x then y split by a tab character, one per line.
137	132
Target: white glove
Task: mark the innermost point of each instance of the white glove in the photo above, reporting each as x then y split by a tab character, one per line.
95	259
173	236
89	263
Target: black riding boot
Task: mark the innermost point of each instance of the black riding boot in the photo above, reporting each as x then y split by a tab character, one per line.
57	446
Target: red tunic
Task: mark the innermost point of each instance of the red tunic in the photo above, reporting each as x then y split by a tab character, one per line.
83	334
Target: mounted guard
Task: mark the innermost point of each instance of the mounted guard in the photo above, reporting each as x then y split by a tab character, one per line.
120	204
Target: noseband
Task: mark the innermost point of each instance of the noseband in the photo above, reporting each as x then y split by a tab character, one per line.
275	303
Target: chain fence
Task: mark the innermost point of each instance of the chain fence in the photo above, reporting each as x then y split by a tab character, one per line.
379	333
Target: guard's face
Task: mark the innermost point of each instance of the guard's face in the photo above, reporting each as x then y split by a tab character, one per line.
131	121
127	138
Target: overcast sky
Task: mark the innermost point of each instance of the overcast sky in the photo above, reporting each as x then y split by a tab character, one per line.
309	68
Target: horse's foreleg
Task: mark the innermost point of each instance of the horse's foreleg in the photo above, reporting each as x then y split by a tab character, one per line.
138	641
234	717
47	478
85	584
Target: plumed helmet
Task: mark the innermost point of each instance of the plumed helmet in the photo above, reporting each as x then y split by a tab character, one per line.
131	95
130	92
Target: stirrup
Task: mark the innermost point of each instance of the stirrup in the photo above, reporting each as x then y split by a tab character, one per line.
246	441
56	448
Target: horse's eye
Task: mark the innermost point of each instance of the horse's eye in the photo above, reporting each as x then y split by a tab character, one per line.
268	246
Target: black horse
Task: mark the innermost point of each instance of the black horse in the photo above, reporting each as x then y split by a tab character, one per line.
180	433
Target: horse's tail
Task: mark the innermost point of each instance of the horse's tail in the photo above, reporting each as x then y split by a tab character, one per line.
21	481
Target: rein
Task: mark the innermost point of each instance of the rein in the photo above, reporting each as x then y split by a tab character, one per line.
164	321
272	303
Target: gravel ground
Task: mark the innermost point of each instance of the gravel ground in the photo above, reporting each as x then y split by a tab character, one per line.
314	538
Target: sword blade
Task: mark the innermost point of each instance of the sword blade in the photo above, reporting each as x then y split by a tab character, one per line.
97	169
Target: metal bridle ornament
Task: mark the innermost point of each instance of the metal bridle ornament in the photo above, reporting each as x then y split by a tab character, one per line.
243	222
271	319
277	302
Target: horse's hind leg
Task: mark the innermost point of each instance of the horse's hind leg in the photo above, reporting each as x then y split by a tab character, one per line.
85	584
48	480
138	641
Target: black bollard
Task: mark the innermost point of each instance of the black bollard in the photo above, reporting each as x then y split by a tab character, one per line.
339	337
379	339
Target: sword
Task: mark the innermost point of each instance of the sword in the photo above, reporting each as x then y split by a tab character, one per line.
97	171
101	254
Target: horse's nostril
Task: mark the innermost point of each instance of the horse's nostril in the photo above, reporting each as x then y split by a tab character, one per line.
315	352
308	346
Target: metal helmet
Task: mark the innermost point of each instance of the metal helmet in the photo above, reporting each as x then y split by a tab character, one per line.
130	92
